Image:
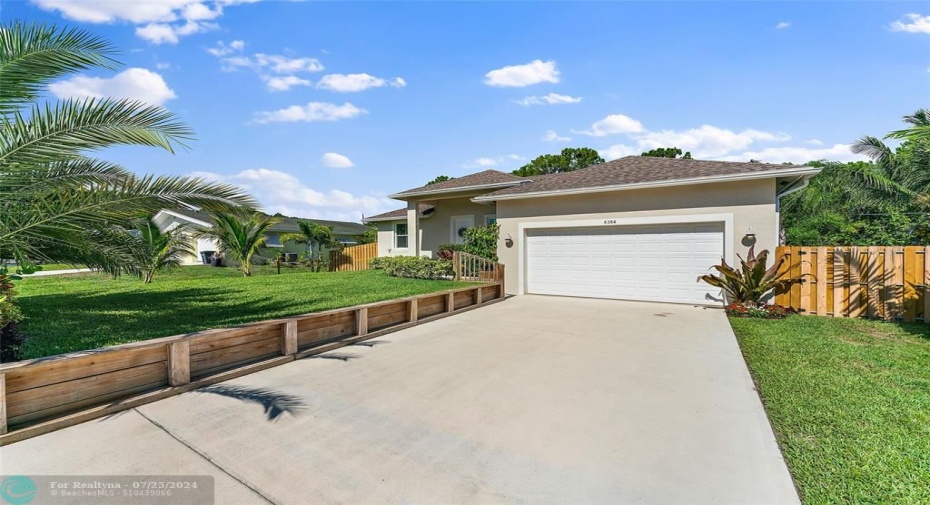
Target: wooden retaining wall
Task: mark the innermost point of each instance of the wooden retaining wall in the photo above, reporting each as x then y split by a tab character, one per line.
42	395
875	282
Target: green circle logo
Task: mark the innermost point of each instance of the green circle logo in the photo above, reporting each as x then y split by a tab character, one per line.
17	490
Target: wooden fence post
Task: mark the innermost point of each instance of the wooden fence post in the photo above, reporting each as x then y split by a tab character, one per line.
3	426
456	265
289	337
361	321
501	273
478	295
450	302
414	310
179	363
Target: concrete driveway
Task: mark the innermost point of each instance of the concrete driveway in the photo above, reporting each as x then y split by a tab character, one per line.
532	400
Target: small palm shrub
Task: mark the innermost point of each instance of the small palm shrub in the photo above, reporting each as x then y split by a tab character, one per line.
749	283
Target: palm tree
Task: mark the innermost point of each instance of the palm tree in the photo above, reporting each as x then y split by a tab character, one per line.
919	129
56	201
154	250
315	236
240	236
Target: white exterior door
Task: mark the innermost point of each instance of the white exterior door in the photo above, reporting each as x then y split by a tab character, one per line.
652	263
459	225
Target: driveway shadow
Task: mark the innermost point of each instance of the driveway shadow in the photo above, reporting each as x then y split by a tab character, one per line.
274	403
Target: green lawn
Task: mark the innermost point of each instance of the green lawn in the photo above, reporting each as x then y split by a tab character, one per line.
84	311
850	403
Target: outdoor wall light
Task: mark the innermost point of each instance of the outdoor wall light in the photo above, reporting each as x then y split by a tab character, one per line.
750	233
508	241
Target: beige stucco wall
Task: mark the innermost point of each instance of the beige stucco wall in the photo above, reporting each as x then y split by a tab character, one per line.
751	203
435	230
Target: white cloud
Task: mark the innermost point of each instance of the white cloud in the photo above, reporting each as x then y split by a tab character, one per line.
222	49
618	151
238	45
612	125
282	64
814	142
550	99
163	65
312	112
552	136
284	83
487	162
837	152
159	22
915	24
351	83
336	160
282	192
706	141
132	83
782	25
518	76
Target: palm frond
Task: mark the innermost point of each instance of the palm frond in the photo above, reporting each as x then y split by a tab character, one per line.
34	54
62	131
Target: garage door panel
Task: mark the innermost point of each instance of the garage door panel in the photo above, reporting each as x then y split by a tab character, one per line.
656	263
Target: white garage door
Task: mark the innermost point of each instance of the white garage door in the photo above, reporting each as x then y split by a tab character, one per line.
655	263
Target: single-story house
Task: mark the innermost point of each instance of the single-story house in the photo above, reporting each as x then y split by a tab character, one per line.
166	219
636	228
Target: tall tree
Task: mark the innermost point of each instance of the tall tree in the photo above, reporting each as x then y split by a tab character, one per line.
667	152
440	178
569	160
154	250
315	237
240	236
56	201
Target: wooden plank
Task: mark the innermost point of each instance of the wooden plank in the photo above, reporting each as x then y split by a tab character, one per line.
873	283
888	287
464	299
311	337
855	286
795	291
478	293
3	424
450	302
57	370
387	308
385	320
413	312
840	304
821	281
804	304
35	399
289	337
361	325
322	321
780	295
222	341
238	354
489	292
179	363
910	281
926	284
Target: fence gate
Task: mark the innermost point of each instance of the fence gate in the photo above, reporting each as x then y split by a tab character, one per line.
352	258
877	282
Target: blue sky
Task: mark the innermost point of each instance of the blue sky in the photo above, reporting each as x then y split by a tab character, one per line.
323	109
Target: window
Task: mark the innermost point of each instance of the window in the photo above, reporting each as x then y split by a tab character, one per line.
274	240
490	219
400	235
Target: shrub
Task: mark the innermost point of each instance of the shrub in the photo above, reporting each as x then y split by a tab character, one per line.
445	251
482	241
378	263
414	267
760	311
749	283
10	316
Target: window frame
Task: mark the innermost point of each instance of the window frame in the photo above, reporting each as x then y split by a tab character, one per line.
398	235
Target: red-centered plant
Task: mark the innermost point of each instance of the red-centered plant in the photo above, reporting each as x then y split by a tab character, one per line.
752	280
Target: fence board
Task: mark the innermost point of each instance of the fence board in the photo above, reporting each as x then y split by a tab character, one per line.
352	258
877	282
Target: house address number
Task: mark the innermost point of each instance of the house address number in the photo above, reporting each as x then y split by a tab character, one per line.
610	221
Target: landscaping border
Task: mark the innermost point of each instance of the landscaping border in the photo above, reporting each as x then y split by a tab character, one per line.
46	394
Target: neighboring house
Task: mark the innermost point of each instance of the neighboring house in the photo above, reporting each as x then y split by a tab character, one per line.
345	232
636	228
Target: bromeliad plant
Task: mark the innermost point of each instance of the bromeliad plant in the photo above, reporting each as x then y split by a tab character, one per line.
749	283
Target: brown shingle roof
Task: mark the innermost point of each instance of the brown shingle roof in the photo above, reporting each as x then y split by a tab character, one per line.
633	170
488	177
399	213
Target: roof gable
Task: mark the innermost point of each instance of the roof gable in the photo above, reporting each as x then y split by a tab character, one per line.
478	180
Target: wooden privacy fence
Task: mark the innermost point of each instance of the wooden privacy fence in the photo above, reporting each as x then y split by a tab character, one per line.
354	257
876	282
45	394
468	267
